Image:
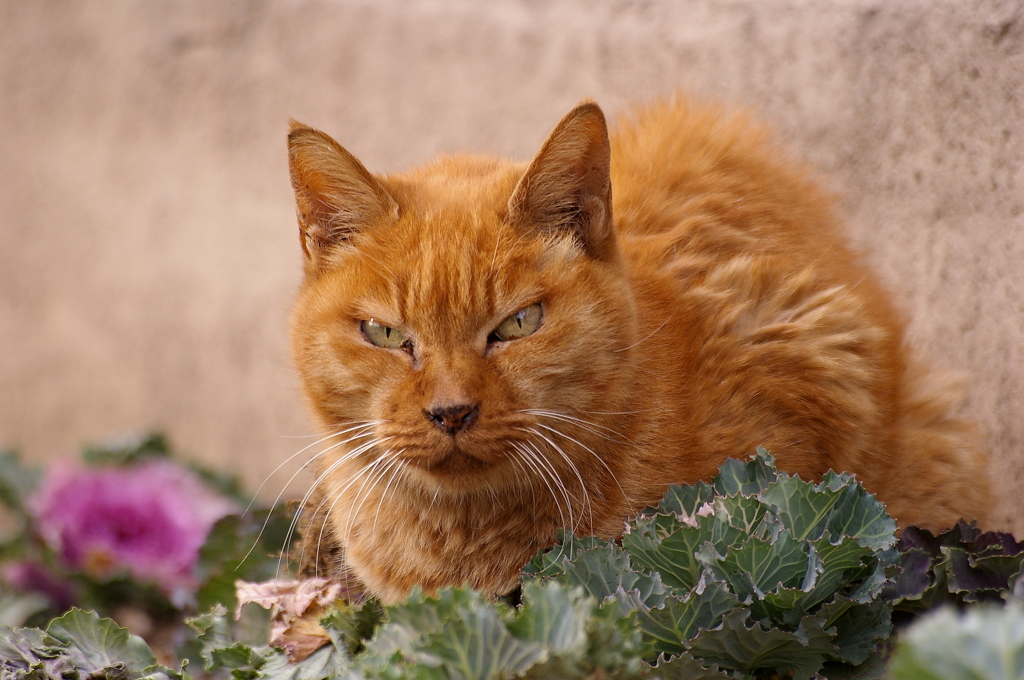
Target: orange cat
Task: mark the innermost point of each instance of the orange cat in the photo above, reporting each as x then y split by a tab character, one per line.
500	350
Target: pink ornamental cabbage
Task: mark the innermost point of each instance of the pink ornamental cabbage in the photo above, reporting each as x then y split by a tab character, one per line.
150	518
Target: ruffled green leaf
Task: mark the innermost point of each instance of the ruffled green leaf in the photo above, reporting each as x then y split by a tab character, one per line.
757	566
551	563
735	646
553	616
664	545
477	646
685	667
749	479
859	514
671	626
685	501
94	643
802	506
604	569
351	625
858	628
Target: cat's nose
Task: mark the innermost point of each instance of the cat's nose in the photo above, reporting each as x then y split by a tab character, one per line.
453	419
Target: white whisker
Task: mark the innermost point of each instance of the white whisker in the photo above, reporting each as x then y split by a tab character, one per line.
394	475
583	487
362	448
599	459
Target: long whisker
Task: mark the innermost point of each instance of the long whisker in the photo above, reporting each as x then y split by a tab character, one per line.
339	494
520	467
337	497
530	459
362	448
277	499
299	453
593	428
394	475
542	460
372	480
601	460
573	523
583	487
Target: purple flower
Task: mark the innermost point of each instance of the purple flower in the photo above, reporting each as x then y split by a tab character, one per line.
149	518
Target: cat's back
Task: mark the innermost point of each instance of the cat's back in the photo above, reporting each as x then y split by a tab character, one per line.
716	179
762	326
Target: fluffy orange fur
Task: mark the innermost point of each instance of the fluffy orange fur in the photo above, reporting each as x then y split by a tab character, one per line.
697	301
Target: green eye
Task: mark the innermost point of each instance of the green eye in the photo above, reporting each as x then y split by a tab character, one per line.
519	325
384	336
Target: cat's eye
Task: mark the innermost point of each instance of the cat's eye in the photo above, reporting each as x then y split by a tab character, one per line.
524	322
384	336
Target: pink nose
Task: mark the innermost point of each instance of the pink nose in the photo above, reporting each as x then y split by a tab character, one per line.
453	419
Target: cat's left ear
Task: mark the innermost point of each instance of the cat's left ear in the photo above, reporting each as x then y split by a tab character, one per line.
567	188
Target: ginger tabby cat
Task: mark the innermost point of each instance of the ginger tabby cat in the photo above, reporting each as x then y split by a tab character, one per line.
497	350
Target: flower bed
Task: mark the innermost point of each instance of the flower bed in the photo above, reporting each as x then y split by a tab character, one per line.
757	574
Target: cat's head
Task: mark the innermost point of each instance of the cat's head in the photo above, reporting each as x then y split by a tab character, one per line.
465	325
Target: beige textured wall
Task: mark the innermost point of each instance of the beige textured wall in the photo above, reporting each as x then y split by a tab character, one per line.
148	253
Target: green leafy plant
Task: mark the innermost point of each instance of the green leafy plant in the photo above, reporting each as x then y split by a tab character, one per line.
959	566
130	532
79	644
757	572
984	642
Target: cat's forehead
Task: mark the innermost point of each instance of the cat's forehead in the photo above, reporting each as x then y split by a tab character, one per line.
450	267
450	259
460	183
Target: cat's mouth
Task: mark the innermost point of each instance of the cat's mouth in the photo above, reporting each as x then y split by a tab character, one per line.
456	463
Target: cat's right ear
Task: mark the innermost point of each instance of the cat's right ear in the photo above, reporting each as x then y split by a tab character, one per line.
335	196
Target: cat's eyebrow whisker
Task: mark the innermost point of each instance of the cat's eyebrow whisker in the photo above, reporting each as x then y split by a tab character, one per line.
394	278
649	335
583	487
511	249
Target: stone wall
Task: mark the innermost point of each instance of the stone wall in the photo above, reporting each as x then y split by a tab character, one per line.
148	250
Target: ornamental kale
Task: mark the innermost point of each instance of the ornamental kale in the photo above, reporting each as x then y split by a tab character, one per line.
959	566
130	532
985	642
149	518
755	575
756	572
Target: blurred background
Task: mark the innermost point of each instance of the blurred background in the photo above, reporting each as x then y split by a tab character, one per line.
148	245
